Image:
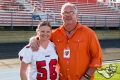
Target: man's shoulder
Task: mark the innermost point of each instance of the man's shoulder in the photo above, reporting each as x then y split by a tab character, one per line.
55	33
56	30
86	28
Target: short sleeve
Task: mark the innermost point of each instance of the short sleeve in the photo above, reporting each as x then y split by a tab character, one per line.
25	55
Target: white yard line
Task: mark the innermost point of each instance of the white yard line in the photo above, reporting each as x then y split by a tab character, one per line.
10	74
110	61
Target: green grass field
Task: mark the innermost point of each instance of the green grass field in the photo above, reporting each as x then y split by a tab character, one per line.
107	72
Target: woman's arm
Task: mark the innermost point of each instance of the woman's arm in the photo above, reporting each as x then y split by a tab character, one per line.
23	69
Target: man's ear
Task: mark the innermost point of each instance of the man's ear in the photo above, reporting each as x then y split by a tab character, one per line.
77	15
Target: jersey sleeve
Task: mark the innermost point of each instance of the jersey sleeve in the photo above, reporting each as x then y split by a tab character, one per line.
96	52
25	55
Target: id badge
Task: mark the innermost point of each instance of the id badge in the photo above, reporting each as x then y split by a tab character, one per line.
66	54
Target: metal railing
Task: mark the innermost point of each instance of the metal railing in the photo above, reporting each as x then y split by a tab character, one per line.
100	20
14	19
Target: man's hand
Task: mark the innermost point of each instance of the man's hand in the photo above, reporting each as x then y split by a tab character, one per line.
34	43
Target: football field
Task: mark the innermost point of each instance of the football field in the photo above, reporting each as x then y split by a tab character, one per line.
10	74
109	71
9	64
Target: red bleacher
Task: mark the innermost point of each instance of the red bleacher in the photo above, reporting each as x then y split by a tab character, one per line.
83	1
90	14
11	5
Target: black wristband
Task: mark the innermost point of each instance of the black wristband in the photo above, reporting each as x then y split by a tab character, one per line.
87	76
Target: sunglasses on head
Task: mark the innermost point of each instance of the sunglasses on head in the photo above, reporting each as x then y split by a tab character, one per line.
44	23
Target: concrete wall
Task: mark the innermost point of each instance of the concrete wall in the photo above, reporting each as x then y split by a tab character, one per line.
16	36
23	36
108	34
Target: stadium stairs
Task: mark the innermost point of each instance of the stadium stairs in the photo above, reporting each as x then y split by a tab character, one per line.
28	7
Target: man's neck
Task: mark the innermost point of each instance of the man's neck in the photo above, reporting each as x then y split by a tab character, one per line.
69	29
70	26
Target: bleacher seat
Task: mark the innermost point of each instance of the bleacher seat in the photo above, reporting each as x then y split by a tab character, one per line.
89	14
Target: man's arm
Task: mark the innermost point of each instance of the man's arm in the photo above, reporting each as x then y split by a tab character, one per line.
34	43
96	57
88	74
90	71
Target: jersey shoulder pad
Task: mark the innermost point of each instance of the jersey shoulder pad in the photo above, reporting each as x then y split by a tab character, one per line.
27	46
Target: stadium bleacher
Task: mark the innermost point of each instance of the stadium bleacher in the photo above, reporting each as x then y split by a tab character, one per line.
11	5
90	14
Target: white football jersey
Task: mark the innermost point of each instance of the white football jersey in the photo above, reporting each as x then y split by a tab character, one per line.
43	63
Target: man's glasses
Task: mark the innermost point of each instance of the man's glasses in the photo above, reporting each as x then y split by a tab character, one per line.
68	13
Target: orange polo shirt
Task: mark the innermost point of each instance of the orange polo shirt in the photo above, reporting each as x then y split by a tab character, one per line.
85	51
